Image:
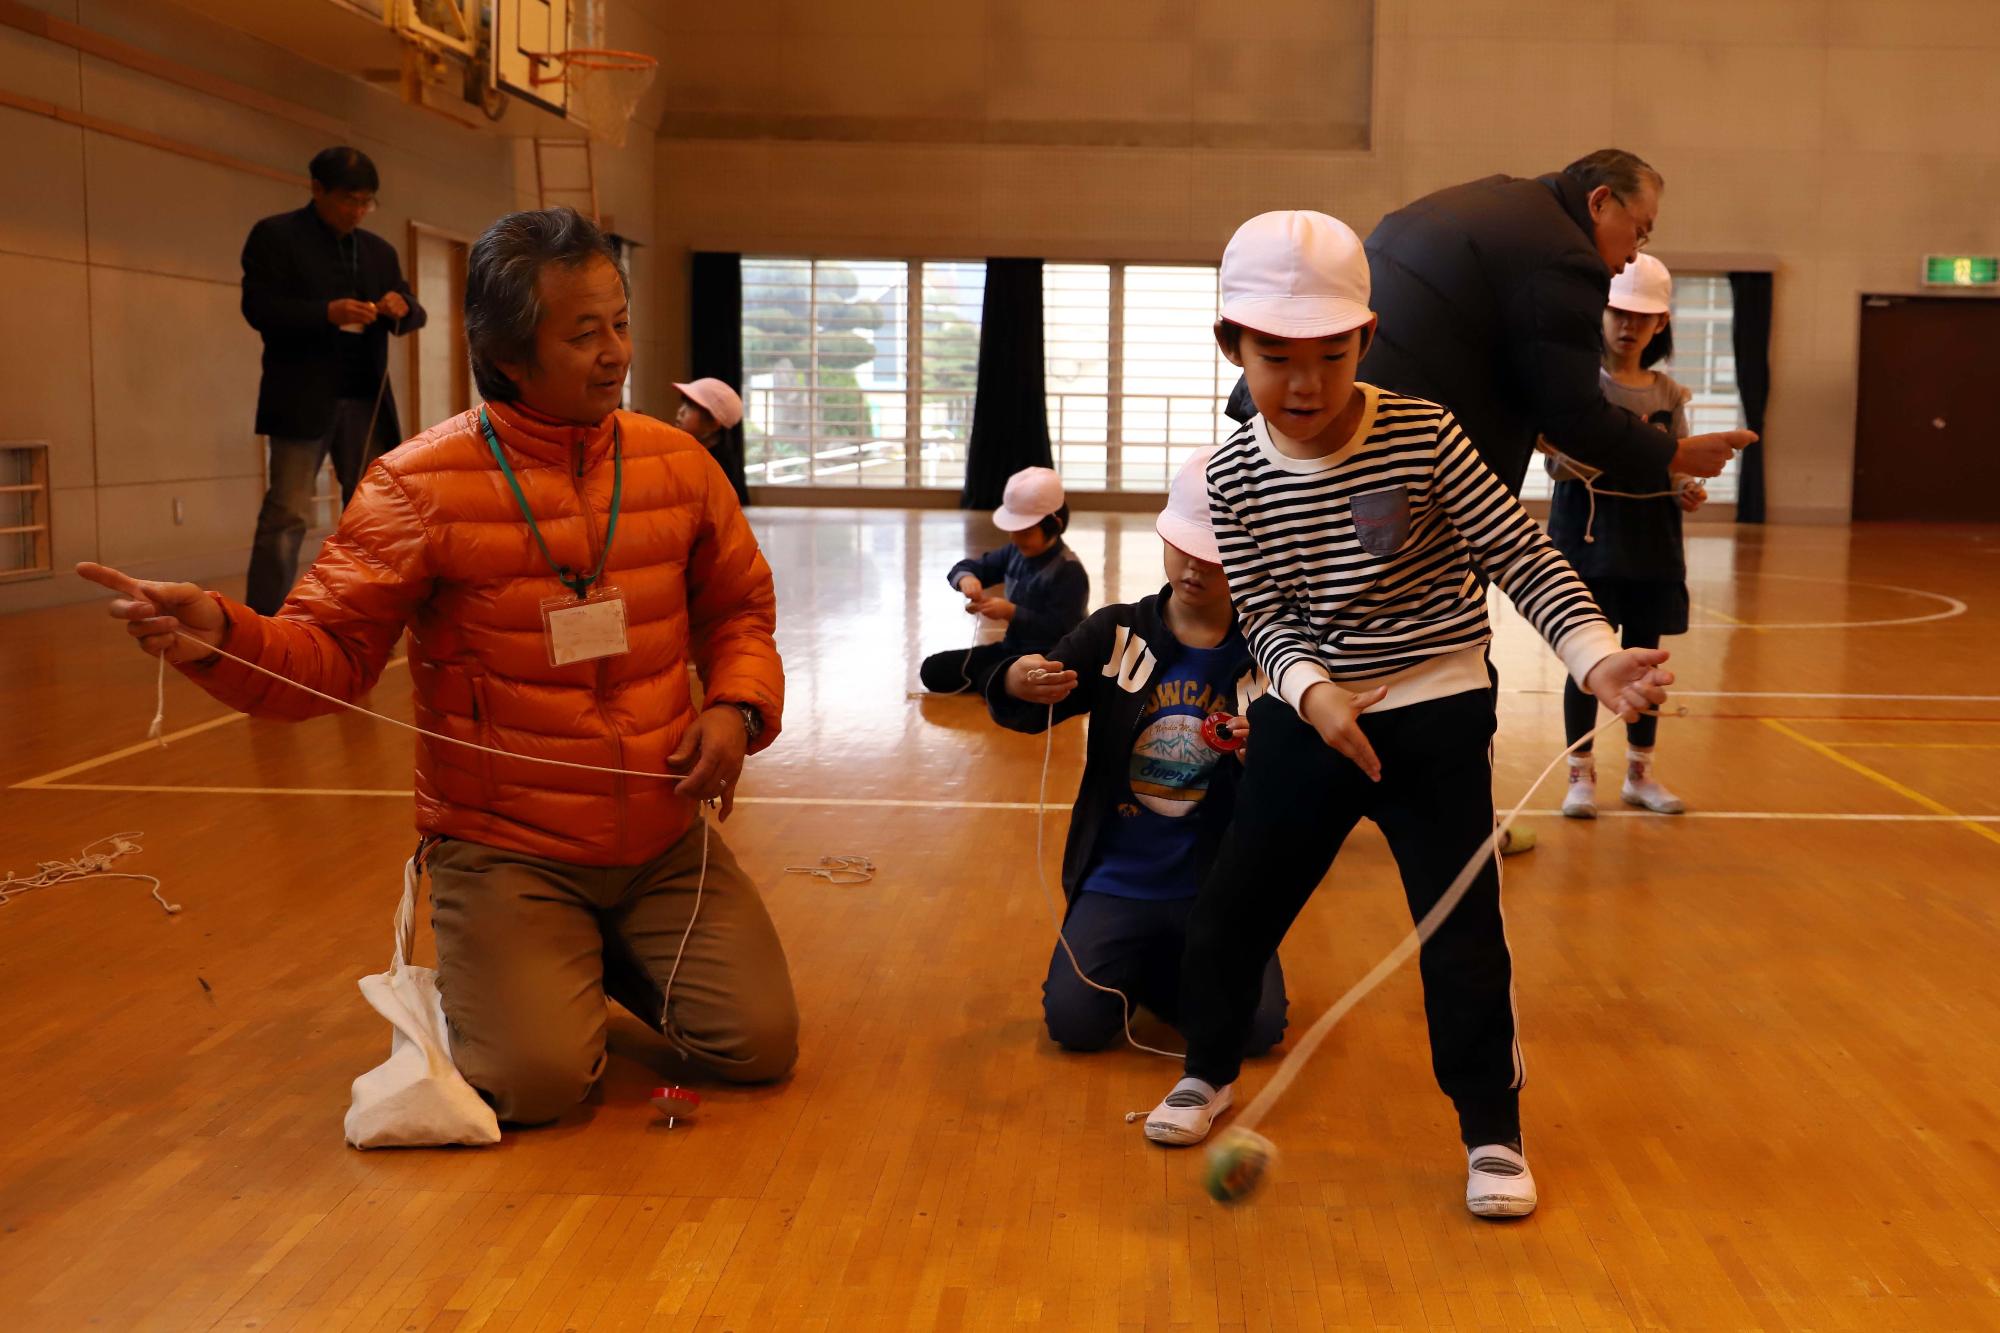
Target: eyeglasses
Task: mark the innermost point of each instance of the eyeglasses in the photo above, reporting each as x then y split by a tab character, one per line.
1644	233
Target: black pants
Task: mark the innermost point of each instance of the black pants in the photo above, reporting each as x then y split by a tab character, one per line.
1135	945
960	672
287	508
1298	802
1644	622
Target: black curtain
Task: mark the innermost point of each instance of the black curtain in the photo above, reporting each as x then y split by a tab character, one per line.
1751	293
1010	414
715	344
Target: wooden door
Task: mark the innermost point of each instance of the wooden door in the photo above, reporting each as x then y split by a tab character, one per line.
1927	423
440	374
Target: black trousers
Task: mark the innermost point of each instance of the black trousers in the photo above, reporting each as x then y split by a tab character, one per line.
961	671
287	509
1299	800
1134	945
1647	610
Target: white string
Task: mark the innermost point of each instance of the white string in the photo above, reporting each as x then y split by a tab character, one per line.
1055	912
156	731
87	865
667	991
406	726
964	675
382	389
1592	490
1564	468
838	869
1295	1060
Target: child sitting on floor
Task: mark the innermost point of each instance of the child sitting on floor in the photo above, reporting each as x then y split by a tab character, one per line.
1044	591
1156	795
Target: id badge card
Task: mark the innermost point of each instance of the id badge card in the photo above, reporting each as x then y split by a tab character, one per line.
584	630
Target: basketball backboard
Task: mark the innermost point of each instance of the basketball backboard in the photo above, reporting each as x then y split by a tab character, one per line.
523	30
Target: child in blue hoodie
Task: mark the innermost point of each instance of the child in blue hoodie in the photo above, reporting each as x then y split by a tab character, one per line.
1043	590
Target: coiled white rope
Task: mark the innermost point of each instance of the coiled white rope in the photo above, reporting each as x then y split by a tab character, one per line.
90	863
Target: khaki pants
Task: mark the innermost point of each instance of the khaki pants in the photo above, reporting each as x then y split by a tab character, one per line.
528	948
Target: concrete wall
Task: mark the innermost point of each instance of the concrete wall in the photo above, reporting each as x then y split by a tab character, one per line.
124	347
1842	139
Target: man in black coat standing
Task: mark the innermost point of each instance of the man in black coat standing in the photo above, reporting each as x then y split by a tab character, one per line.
326	296
1492	296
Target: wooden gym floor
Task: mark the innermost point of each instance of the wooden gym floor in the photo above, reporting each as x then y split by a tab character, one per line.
1764	1064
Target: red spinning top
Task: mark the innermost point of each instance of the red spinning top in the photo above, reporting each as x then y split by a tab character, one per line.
675	1102
1218	731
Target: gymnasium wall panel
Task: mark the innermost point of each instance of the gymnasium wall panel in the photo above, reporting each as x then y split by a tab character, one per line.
41	180
137	528
174	377
162	213
45	363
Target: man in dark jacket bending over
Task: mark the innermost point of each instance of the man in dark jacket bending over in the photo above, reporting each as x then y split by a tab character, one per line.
1491	296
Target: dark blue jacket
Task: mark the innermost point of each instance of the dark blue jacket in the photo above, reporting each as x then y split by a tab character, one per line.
294	265
1119	655
1050	592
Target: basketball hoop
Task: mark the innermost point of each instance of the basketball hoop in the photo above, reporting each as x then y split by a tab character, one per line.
605	86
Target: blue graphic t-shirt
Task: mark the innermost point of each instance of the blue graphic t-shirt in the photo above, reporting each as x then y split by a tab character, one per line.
1147	848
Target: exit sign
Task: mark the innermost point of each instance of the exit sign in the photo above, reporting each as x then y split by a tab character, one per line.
1961	270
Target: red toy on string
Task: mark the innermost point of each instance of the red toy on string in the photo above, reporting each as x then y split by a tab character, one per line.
675	1103
1219	731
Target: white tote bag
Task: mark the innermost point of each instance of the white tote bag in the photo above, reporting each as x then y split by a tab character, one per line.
415	1098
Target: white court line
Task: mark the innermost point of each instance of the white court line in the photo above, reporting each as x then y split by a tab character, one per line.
1952	607
1807	816
1787	694
46	779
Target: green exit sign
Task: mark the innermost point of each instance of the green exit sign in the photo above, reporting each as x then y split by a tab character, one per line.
1961	270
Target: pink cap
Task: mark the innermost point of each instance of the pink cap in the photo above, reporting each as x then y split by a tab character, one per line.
1032	494
1295	274
1185	523
716	398
1643	287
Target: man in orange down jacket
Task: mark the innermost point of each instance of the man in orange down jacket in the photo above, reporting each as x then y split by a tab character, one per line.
559	563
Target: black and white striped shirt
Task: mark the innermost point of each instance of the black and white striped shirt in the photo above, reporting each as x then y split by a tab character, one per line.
1363	567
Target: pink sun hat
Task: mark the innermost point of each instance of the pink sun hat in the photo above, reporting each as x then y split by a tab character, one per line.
1185	523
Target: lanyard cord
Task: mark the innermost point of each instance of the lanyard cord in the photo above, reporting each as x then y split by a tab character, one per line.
580	584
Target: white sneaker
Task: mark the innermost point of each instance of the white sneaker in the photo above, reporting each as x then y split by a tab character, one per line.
1642	789
1498	1182
1184	1116
1580	801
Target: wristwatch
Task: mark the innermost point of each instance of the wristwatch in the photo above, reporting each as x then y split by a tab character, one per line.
753	721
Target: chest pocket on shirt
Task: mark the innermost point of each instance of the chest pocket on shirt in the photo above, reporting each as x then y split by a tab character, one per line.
1381	519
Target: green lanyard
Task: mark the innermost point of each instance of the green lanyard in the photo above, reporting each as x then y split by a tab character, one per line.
578	584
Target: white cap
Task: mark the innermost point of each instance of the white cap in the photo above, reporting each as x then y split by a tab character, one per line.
1185	522
717	399
1644	287
1032	494
1295	274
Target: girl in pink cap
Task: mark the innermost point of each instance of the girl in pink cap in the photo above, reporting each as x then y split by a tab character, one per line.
1623	534
711	411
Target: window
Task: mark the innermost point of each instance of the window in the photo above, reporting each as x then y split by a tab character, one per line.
1135	381
859	372
1704	360
862	372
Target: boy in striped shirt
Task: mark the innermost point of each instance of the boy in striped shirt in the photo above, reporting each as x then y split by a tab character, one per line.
1358	530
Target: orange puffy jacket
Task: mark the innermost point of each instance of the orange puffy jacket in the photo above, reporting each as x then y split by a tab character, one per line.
435	540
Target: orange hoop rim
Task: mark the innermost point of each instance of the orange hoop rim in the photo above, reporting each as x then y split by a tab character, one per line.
589	57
